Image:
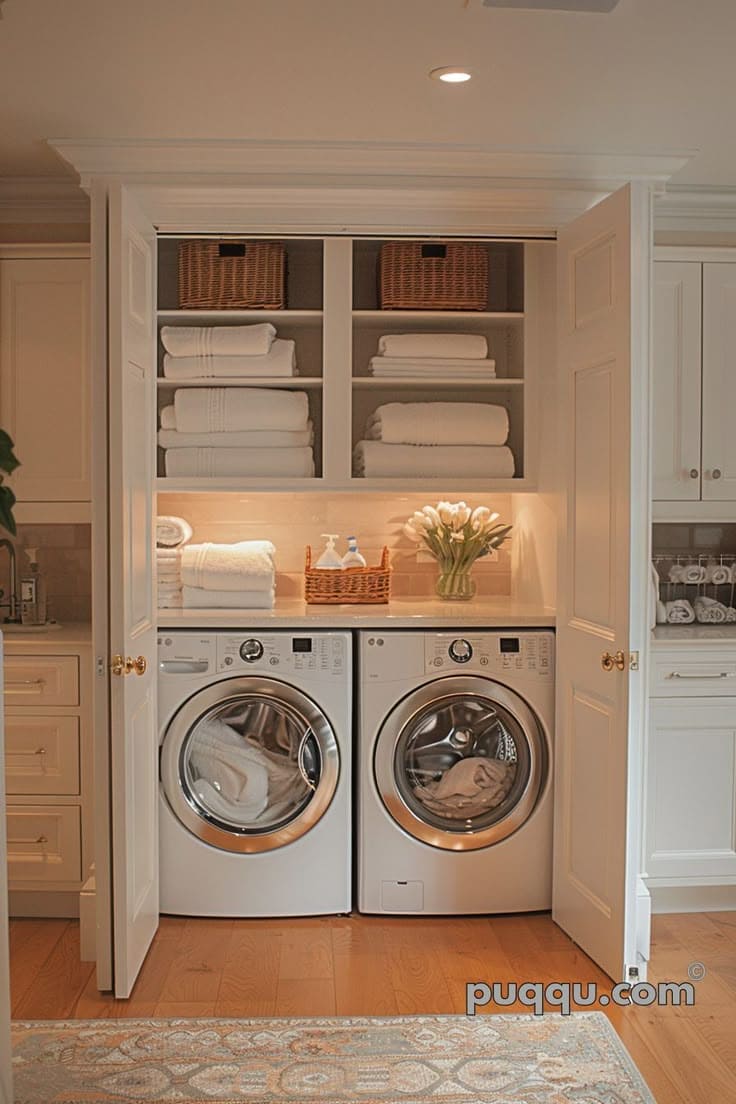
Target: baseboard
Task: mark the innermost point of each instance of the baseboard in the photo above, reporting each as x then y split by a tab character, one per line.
43	903
693	898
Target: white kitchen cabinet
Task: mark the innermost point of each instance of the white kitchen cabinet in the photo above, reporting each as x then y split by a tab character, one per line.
45	378
693	384
690	821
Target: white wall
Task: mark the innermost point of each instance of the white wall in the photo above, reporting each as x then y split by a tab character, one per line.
6	1088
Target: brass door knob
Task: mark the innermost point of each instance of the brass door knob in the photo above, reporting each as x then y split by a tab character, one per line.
126	666
617	661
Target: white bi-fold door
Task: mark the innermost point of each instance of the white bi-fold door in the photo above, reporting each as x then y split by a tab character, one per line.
603	330
603	294
132	612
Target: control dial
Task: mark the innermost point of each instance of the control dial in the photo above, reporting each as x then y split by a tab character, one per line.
461	650
251	650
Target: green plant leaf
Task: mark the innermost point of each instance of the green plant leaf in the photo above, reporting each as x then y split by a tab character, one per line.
8	460
7	502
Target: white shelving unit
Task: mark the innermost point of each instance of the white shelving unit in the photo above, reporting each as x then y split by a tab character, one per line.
332	314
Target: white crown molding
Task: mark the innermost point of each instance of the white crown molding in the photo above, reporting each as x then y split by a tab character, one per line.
708	209
131	159
34	199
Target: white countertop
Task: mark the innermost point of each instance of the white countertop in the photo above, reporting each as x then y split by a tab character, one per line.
68	639
401	613
672	635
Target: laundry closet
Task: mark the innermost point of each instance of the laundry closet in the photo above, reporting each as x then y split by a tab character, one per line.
567	324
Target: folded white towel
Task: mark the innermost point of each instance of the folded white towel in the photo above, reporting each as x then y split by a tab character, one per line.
248	438
677	573
710	612
171	601
374	458
694	573
171	532
457	375
731	614
171	575
441	367
680	612
468	346
168	555
279	361
247	565
187	341
441	423
233	409
239	461
718	574
198	598
169	590
167	417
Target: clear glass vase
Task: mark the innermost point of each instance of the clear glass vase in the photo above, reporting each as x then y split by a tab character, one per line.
456	585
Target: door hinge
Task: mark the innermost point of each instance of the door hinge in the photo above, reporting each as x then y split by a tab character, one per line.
100	668
633	661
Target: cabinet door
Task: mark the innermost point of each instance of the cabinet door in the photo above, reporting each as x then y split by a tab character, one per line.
676	380
44	376
691	788
719	382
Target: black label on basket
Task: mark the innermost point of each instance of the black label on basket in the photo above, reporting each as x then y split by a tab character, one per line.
434	250
232	249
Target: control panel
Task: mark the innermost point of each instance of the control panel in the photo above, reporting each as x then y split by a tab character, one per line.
529	654
186	653
321	655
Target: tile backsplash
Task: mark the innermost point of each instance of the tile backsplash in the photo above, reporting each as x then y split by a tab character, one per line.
64	557
292	521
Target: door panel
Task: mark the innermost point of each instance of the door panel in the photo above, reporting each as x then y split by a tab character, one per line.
134	741
719	382
676	380
603	346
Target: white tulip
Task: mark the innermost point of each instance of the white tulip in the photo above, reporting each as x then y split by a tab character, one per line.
445	511
412	533
434	517
462	516
479	517
420	521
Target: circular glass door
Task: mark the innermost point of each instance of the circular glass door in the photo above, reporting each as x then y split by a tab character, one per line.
460	763
249	764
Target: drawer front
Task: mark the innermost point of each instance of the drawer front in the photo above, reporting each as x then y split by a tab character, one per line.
693	673
44	843
41	680
41	755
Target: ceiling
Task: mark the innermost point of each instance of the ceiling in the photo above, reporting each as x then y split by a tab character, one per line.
654	76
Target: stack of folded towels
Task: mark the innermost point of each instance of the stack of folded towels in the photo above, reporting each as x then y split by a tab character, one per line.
226	352
443	438
172	533
433	356
228	576
246	431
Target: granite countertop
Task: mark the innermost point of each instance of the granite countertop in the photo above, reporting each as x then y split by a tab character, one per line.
402	613
68	638
672	635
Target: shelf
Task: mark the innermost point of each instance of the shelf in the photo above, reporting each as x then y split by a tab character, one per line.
381	316
237	484
457	384
294	383
211	317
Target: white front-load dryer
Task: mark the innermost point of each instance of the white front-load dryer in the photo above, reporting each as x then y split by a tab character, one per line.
455	771
255	735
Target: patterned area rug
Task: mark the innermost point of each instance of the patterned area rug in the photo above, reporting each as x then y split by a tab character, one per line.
513	1059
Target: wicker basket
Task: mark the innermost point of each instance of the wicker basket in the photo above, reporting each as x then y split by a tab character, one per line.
231	275
433	276
354	585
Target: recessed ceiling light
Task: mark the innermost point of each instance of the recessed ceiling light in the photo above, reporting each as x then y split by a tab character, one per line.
450	74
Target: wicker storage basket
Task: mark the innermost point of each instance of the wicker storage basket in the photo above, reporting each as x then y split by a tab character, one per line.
354	585
230	275
433	276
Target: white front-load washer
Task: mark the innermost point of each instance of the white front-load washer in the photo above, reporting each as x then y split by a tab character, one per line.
255	734
455	771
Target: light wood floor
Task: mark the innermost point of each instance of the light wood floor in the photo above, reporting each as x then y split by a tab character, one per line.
376	966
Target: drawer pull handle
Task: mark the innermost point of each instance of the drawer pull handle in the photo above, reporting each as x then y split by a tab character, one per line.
25	682
21	842
42	839
38	751
705	675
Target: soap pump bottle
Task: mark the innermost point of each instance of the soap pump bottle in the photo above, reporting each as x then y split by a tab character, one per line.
330	559
33	592
352	557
